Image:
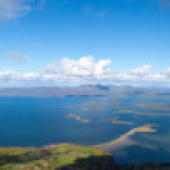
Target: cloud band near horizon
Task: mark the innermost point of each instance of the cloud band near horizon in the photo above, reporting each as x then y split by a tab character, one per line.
84	71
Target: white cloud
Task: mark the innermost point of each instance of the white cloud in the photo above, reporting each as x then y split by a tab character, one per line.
50	69
12	9
28	76
83	67
101	68
6	75
87	70
156	77
166	72
142	71
17	58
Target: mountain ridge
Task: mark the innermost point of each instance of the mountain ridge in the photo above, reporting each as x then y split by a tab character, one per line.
87	90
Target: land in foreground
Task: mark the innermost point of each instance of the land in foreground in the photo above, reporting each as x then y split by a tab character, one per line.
64	156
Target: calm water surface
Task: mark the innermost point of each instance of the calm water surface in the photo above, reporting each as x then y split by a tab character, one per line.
35	121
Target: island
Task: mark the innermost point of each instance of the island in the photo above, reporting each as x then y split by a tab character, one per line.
116	121
78	118
124	111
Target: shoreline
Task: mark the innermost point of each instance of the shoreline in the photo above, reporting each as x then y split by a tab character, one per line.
143	128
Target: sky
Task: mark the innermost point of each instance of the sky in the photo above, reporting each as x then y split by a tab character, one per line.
75	42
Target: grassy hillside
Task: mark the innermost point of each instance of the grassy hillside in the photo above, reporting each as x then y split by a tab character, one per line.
65	157
61	156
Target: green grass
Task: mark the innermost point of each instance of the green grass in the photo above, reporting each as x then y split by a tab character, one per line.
61	155
65	156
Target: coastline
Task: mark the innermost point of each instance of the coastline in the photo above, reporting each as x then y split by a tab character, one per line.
143	128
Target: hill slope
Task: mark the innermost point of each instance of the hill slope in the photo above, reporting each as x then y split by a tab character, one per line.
65	157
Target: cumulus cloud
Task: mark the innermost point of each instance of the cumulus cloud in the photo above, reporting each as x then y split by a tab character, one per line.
28	76
85	67
6	75
87	70
102	68
142	71
166	72
82	67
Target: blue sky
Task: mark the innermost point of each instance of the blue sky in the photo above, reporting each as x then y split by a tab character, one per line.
119	42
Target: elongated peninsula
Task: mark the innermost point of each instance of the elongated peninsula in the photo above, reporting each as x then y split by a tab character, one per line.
144	128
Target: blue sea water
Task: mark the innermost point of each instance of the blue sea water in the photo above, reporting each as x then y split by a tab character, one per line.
38	121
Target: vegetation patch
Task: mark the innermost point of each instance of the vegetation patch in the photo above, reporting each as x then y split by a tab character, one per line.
62	155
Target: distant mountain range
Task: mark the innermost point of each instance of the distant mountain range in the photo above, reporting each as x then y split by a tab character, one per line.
84	90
